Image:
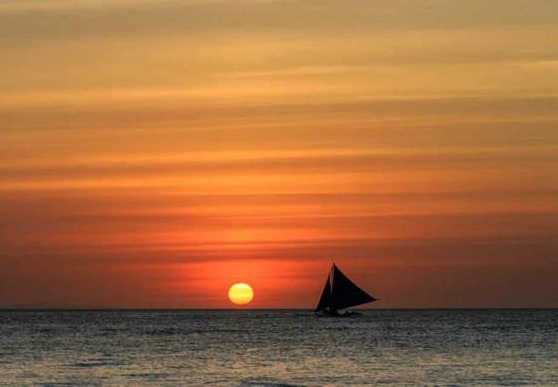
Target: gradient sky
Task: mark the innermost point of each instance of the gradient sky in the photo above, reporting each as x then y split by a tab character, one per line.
153	152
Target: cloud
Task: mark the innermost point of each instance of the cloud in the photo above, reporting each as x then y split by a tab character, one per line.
148	143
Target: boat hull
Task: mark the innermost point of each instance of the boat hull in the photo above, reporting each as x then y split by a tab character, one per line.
336	313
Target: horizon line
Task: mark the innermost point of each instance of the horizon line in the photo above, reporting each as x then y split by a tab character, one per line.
271	309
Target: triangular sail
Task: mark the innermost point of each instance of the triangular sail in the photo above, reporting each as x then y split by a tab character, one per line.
325	297
345	293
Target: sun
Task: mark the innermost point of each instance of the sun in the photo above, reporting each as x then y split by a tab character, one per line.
241	293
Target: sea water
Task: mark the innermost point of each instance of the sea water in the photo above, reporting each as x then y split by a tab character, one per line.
279	348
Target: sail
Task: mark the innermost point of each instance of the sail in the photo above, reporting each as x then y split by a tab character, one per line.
325	297
345	293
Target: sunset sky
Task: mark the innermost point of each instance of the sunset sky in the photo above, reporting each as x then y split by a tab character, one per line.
154	152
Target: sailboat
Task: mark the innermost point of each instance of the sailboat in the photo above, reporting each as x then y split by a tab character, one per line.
340	293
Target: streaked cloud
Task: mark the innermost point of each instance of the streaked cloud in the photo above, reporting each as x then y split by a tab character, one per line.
156	144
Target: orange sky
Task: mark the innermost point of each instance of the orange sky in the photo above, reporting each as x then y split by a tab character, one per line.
155	152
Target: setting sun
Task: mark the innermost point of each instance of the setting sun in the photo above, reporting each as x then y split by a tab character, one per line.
241	293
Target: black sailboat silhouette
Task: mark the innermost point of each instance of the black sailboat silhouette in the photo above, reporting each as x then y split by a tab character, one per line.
340	293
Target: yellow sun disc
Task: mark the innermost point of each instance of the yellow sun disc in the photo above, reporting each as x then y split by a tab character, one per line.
241	293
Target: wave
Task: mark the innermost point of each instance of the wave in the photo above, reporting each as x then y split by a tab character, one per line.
266	383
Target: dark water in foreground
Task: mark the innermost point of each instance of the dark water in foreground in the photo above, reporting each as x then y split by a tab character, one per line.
279	348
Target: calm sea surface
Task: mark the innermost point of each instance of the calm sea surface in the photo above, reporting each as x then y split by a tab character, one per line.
279	348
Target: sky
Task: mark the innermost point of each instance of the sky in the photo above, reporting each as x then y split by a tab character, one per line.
154	152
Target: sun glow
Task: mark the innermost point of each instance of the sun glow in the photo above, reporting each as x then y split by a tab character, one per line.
241	293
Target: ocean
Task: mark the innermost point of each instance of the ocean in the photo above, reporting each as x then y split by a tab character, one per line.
279	348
